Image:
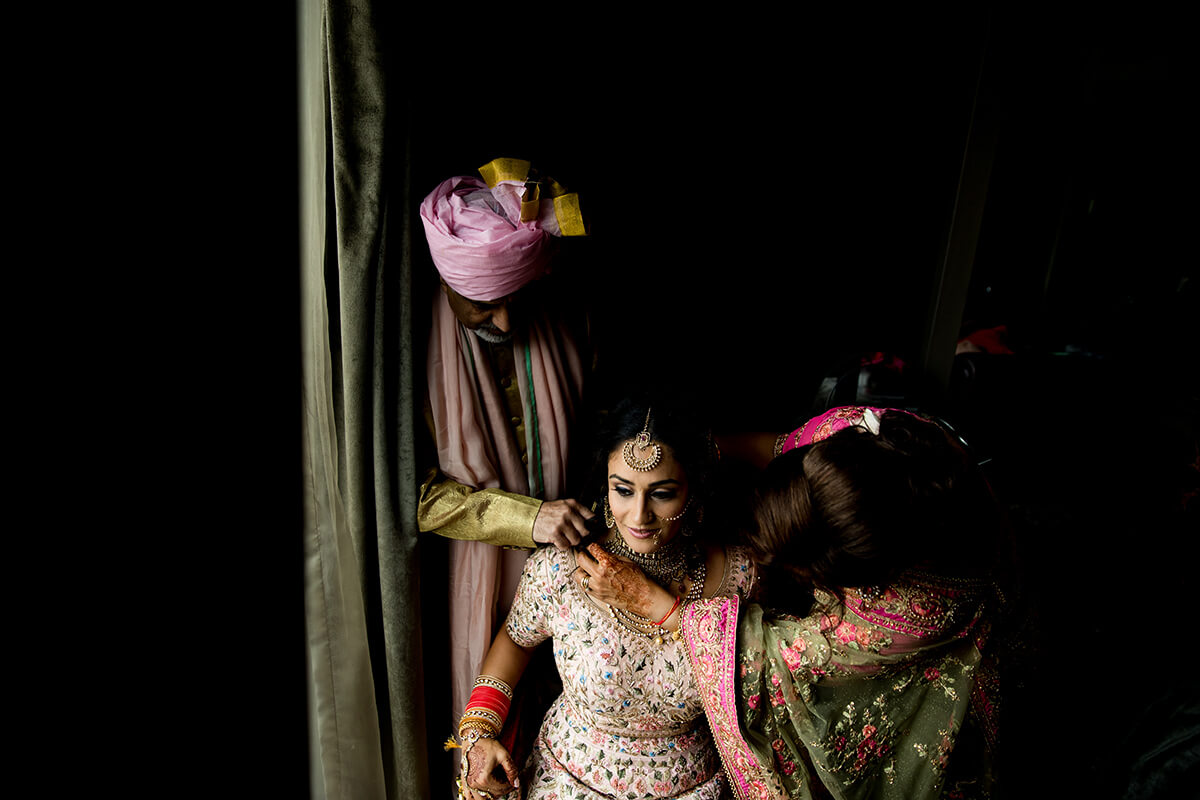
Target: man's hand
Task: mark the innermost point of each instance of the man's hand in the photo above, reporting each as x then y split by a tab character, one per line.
562	523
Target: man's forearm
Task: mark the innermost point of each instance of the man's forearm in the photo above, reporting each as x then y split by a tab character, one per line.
457	511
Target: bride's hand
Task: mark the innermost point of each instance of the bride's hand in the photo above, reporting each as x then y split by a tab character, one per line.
488	770
619	583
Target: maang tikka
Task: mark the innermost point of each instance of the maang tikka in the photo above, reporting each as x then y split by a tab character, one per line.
642	443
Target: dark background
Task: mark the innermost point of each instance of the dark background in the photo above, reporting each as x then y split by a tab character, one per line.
775	197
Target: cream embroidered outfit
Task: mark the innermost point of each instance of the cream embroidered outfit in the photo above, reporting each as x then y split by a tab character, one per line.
630	722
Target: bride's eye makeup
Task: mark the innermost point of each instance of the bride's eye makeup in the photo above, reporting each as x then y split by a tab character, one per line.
662	495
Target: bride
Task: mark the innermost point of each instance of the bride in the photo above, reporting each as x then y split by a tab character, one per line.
629	722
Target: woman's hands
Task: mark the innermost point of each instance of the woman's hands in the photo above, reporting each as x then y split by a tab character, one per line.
488	770
620	583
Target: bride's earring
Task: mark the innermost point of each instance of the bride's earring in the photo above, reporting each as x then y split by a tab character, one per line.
609	522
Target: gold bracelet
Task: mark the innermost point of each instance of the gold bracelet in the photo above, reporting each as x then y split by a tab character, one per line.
482	720
471	732
483	713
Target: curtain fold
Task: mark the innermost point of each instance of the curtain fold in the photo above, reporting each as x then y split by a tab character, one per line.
366	714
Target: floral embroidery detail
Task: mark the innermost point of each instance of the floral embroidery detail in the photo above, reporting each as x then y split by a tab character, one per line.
941	676
861	637
919	605
845	632
859	743
906	667
793	654
630	722
938	756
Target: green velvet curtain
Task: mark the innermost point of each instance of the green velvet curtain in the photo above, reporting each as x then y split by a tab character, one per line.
366	714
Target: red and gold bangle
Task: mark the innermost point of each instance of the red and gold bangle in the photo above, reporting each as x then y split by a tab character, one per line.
667	616
495	683
488	706
485	698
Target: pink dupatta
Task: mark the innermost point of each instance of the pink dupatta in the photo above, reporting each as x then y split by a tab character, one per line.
710	634
476	447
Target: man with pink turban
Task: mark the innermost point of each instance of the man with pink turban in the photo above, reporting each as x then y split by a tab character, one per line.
505	381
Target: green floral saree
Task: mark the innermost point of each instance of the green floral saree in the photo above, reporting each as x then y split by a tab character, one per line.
884	696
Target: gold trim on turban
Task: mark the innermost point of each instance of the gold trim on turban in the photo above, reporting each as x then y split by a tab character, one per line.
504	169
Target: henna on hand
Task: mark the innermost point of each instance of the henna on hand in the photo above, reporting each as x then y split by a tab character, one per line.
482	764
623	584
475	768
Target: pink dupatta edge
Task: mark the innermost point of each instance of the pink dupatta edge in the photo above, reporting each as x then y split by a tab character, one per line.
710	633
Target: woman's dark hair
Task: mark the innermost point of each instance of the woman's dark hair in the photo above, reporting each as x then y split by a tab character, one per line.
672	423
858	509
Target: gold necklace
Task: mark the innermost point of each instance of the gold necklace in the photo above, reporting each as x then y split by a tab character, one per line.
671	562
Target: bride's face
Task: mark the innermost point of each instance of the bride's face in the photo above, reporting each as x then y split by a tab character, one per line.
641	502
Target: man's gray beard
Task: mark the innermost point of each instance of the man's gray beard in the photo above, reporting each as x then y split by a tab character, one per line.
491	335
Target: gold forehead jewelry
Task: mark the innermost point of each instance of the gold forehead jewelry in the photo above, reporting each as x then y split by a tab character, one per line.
642	443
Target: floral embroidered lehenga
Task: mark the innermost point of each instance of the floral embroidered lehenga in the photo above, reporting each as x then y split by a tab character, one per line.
629	723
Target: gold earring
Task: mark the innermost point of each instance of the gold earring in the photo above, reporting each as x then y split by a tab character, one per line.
609	522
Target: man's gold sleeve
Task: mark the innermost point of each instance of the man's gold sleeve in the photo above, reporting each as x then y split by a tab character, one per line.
493	516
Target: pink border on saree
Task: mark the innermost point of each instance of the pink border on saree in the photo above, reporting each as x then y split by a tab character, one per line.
710	632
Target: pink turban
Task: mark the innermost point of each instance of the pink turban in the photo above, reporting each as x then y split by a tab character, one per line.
825	425
488	239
